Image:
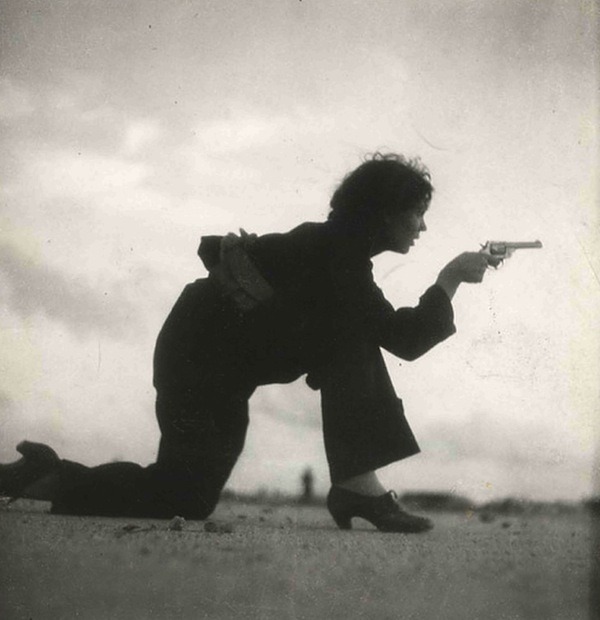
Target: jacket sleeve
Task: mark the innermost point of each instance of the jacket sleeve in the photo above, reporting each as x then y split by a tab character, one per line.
407	333
411	332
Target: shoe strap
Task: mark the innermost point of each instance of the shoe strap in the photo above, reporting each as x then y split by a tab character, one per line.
390	502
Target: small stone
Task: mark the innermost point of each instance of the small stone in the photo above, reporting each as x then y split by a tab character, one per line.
129	528
217	528
176	524
487	517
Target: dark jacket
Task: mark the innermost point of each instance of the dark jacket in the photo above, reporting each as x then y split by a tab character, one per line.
324	295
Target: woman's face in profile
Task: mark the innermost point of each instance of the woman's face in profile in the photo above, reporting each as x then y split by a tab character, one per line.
403	228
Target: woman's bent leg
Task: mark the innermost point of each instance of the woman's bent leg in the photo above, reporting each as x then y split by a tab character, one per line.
203	435
365	429
202	438
202	411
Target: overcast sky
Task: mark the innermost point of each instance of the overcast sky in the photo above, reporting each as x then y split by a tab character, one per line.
130	129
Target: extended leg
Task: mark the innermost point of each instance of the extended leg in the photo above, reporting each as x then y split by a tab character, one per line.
202	437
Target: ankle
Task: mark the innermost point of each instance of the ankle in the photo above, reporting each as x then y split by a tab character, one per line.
363	484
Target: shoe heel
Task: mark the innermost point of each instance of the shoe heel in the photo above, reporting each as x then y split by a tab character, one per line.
343	522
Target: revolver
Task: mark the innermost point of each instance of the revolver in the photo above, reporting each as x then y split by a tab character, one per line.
497	251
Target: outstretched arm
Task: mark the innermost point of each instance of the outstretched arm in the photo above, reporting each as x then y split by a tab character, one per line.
407	333
411	332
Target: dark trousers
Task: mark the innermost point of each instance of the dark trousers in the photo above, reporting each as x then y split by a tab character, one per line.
208	362
202	437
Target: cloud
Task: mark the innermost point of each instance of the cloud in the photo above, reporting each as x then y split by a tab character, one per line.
239	133
292	404
245	130
35	288
74	90
208	170
73	173
522	442
16	100
7	403
139	134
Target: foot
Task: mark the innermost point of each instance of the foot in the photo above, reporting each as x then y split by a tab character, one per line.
37	462
384	512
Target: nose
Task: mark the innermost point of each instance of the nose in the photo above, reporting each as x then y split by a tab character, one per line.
423	226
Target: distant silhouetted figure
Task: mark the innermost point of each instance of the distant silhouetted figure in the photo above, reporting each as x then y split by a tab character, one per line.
274	308
308	482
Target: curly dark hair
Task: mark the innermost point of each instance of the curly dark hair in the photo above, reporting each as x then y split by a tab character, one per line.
384	183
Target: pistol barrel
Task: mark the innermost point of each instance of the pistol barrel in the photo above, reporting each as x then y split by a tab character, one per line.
518	245
504	249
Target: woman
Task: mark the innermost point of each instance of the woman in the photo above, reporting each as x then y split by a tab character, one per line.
272	309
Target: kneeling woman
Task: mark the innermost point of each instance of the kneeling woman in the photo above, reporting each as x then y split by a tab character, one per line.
272	309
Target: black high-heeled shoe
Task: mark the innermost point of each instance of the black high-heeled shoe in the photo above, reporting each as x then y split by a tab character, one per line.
38	460
383	511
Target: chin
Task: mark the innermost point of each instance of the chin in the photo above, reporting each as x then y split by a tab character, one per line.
400	250
400	247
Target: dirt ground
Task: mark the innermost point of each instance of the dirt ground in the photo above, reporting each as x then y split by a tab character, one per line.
290	562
